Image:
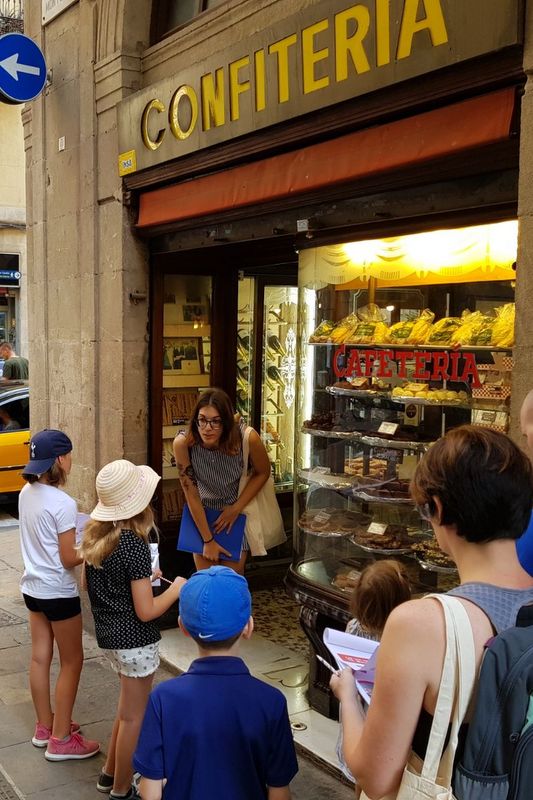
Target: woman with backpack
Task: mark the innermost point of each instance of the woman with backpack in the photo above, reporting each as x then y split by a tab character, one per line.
475	487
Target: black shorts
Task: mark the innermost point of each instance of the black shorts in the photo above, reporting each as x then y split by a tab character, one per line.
54	610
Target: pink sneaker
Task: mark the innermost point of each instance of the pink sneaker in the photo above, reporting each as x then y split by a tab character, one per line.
75	747
42	733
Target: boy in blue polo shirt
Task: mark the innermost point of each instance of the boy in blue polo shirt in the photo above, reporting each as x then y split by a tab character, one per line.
215	732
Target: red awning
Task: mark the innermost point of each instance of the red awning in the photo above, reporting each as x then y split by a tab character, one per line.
445	131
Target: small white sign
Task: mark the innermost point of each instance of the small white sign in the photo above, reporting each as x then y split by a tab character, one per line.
388	427
51	8
377	528
322	516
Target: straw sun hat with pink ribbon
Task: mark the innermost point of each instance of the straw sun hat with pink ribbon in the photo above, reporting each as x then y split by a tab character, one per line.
124	490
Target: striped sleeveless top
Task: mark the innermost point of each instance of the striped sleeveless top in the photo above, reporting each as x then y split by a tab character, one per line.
217	474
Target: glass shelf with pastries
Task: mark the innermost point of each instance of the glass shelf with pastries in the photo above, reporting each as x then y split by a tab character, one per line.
401	339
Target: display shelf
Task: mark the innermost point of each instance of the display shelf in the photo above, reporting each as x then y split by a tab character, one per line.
356	393
415	347
371	441
326	479
186	381
170	431
188	330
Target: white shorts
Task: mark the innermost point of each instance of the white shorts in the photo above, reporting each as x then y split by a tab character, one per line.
137	662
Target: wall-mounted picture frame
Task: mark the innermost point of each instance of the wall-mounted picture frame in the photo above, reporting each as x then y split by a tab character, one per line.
182	356
195	312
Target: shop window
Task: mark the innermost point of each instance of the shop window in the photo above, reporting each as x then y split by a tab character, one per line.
169	15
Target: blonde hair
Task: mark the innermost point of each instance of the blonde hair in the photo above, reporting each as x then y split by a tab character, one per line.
100	539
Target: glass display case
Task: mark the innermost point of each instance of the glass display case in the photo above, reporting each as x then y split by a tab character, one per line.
266	351
381	376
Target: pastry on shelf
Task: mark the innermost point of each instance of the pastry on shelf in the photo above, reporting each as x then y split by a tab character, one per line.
322	332
346	581
322	421
430	553
331	521
394	537
373	469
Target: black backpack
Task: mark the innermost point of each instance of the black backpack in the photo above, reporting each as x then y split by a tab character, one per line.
497	759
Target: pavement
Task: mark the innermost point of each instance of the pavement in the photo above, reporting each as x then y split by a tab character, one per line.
24	772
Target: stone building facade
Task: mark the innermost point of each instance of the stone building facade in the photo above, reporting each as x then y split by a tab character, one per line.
88	275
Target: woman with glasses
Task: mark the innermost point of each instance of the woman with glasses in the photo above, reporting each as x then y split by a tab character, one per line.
475	487
209	457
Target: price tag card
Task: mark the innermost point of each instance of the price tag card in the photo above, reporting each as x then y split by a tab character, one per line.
377	528
406	469
322	516
388	427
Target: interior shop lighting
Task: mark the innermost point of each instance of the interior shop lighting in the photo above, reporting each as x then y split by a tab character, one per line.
456	251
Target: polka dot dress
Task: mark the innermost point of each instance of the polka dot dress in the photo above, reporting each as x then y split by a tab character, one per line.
116	623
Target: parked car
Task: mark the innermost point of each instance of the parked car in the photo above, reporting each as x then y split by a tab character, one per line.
14	436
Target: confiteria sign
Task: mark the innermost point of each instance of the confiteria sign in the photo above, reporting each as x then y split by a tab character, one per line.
329	52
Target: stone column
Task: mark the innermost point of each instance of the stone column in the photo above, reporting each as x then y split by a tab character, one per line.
523	351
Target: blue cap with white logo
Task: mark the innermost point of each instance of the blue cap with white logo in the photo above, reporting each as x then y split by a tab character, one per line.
215	604
45	447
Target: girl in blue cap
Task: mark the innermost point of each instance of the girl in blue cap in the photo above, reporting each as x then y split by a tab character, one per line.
50	591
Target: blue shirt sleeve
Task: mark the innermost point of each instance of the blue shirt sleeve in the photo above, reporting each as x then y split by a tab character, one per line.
524	548
148	757
282	764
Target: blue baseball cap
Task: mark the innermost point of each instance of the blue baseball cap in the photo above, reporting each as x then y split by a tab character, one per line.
215	604
45	447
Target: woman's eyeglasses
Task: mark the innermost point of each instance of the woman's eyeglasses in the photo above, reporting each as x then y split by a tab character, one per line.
214	423
425	512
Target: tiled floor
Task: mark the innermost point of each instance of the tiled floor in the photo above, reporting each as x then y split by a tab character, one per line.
276	618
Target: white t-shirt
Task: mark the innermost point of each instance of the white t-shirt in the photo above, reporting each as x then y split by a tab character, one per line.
45	512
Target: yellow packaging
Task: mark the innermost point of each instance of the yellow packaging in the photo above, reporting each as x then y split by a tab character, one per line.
412	331
371	329
441	332
343	330
503	330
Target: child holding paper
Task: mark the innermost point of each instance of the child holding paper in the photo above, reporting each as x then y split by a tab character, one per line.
118	574
381	587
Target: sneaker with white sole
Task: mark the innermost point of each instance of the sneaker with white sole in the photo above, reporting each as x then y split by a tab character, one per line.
42	733
75	747
105	782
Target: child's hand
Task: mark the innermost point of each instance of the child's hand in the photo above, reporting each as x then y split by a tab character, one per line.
179	582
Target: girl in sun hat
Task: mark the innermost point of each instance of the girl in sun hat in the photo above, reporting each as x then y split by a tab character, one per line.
118	578
48	537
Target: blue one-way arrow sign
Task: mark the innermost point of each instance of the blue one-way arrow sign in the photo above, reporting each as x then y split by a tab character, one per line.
22	68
